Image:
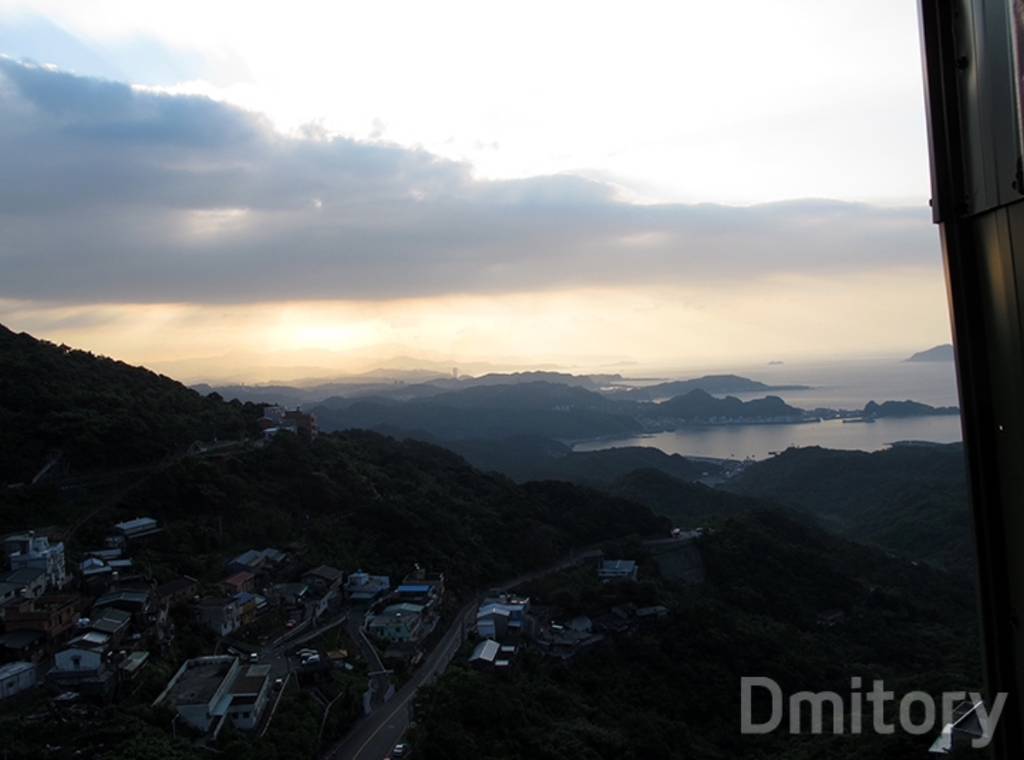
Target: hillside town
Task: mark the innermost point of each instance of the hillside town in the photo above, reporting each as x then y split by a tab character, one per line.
85	624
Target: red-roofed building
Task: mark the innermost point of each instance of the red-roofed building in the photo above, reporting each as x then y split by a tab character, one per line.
239	582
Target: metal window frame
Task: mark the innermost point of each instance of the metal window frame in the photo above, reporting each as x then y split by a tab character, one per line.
977	203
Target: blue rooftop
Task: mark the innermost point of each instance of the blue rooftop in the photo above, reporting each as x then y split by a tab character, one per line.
414	588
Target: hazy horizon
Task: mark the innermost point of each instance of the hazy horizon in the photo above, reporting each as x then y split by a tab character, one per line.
309	368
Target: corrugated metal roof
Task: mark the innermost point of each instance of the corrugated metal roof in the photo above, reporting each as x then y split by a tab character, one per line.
12	669
487	650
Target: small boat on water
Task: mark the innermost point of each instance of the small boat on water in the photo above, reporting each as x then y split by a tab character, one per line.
858	419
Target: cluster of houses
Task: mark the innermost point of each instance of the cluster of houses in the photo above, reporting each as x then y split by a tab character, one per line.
406	616
263	579
88	627
86	630
502	622
277	419
239	600
110	565
505	622
92	630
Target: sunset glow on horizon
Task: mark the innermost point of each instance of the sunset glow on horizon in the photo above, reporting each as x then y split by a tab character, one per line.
267	201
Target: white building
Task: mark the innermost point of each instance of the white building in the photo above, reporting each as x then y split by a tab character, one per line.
490	654
207	691
274	414
27	550
83	654
16	677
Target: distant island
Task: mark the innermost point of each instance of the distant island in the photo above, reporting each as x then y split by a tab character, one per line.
906	409
719	384
571	413
943	353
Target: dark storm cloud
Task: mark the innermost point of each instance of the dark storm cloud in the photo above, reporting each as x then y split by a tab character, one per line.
109	193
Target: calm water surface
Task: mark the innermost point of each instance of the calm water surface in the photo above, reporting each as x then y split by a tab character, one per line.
838	385
761	441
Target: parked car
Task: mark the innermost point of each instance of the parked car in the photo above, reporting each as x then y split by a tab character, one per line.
400	750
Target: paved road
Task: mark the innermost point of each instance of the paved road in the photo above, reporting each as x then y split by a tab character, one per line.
380	679
374	736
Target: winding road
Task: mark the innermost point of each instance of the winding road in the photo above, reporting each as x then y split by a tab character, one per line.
373	736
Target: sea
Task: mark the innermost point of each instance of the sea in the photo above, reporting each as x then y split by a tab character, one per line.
846	384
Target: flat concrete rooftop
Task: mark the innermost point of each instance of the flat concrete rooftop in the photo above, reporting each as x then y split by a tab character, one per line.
199	683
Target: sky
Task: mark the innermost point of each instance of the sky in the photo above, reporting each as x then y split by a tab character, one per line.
256	191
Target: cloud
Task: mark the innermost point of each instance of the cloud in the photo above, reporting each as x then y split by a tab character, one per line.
116	194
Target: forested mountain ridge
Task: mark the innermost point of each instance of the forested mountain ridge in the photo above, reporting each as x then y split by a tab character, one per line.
96	411
535	458
362	500
909	499
671	689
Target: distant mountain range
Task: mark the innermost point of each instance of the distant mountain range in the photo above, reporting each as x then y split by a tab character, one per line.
405	385
943	353
567	412
398	385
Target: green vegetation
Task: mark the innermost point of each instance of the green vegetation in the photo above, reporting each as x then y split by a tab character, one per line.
671	690
98	412
688	505
540	408
908	499
361	500
536	458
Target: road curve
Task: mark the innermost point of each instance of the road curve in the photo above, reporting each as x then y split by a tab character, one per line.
373	736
